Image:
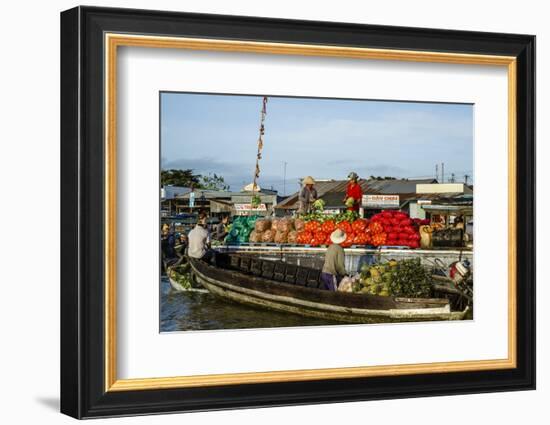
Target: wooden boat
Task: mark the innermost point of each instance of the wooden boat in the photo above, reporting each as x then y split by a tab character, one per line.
178	273
284	287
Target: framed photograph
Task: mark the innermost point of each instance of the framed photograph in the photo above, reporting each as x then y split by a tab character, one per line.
261	212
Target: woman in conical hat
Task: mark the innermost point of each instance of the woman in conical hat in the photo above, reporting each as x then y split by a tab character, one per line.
307	195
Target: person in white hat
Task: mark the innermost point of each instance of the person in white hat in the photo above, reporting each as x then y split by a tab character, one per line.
307	195
334	267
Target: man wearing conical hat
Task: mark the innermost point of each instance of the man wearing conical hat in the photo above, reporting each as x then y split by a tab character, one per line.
334	268
307	195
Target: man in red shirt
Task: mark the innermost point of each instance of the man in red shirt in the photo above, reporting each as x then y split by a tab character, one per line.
354	193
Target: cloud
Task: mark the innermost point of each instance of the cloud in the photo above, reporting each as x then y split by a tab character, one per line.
325	139
205	165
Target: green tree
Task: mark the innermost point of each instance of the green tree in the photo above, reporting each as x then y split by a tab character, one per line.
184	178
213	182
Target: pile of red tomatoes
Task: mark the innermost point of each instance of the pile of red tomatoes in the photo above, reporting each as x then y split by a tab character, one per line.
391	228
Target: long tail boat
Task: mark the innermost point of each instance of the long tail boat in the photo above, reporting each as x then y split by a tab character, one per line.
281	286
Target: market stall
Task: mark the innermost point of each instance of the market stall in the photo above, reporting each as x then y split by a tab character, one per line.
452	225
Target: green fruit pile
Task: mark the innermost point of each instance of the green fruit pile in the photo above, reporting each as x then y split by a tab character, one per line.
406	278
240	229
376	279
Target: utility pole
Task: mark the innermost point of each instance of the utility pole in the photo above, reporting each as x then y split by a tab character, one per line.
436	171
442	172
466	177
284	178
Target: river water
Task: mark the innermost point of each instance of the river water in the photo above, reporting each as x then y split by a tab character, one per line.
183	311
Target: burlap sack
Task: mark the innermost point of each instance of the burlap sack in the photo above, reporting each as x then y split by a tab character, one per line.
285	225
299	224
281	237
291	238
268	236
262	225
255	237
425	237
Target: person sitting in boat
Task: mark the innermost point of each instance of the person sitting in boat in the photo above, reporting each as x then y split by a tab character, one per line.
181	244
307	196
220	230
354	193
168	243
199	241
334	267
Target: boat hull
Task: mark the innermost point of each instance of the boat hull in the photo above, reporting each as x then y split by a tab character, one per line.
337	306
174	277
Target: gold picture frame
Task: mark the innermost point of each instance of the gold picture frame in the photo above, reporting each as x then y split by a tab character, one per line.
91	40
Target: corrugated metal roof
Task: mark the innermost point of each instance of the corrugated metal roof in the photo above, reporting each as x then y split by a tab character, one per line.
387	187
322	187
397	187
209	194
334	200
170	192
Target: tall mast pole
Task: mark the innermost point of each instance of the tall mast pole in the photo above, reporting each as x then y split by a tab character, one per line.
260	147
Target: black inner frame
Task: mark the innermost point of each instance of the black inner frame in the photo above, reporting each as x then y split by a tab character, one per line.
82	206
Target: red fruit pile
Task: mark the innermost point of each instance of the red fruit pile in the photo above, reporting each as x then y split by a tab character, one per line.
397	228
316	233
386	228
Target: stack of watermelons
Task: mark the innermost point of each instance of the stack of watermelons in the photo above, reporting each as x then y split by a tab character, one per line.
240	229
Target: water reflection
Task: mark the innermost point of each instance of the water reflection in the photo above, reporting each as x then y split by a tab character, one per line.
182	311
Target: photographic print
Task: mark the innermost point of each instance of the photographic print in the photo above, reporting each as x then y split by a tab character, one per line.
288	211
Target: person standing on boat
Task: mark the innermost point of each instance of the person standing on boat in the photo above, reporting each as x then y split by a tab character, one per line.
354	193
334	268
199	241
307	195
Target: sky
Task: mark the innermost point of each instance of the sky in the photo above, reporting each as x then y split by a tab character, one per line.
324	138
